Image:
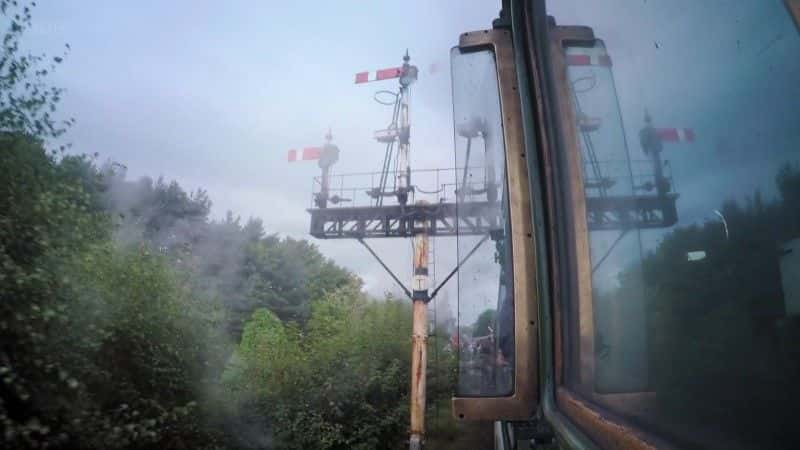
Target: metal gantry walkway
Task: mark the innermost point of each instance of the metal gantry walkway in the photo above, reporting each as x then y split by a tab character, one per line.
442	219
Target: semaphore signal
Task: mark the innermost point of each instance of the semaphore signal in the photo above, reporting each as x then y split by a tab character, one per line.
327	156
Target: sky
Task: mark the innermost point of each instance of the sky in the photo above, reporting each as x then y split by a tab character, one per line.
213	94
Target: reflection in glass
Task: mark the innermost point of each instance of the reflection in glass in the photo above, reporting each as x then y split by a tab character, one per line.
485	291
694	319
614	182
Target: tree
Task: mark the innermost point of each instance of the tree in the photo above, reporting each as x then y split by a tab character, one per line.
484	321
27	101
99	347
344	384
116	297
717	329
284	275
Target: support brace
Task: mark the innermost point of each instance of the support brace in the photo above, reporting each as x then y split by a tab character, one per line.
441	285
458	266
388	270
610	249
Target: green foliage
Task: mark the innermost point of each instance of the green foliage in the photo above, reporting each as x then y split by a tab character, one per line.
109	346
268	348
160	213
27	102
43	208
484	321
344	382
121	306
284	274
142	347
43	220
238	264
101	347
718	336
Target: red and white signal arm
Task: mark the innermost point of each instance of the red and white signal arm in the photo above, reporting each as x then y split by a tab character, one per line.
387	135
308	154
378	75
587	56
675	134
588	124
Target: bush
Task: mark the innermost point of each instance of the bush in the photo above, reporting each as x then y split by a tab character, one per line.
101	347
340	383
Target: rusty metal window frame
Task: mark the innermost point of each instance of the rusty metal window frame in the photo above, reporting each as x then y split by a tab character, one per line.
605	428
523	401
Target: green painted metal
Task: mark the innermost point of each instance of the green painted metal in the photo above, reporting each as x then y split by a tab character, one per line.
569	436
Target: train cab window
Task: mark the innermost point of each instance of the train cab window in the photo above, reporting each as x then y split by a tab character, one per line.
485	281
681	164
497	314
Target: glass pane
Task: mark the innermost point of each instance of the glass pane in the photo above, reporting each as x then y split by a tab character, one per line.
485	291
691	175
610	183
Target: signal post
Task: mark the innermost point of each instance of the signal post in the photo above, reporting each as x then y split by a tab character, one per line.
403	218
419	334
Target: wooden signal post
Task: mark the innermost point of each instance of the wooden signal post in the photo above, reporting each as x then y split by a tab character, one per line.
419	335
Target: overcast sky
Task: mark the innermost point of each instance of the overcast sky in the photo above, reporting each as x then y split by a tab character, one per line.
213	94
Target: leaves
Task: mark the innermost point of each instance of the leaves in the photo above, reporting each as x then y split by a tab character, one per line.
325	386
129	319
342	381
26	99
717	323
86	326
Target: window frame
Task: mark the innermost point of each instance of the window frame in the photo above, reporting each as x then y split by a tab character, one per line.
550	133
524	398
575	417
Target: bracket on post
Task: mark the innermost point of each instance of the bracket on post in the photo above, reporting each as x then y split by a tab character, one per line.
388	270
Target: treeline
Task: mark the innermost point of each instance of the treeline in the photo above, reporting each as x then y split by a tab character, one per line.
130	319
134	321
723	349
101	346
